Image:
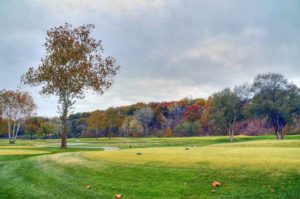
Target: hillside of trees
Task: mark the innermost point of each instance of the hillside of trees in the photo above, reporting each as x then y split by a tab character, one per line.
270	104
187	117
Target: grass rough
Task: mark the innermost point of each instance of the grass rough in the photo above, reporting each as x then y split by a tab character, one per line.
252	167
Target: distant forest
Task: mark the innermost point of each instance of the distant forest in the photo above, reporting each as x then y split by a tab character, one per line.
269	105
187	117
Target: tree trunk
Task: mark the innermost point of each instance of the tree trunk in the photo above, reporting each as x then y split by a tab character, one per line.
277	135
282	136
96	133
231	138
14	134
231	131
17	130
110	129
282	133
276	131
145	132
64	129
9	133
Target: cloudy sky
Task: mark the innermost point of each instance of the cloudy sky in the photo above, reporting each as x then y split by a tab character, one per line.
167	49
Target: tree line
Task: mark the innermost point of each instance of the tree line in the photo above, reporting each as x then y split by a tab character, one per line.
270	104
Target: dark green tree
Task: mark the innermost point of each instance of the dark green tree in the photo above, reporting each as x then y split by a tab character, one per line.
276	99
228	108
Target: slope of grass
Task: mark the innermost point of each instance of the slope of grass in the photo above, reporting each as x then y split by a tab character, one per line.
254	167
218	157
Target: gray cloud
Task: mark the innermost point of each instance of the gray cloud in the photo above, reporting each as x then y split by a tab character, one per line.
167	49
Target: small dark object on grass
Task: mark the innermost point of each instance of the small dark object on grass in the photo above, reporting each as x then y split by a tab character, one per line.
129	146
118	196
187	148
139	154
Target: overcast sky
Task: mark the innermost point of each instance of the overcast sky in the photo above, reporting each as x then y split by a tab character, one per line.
167	50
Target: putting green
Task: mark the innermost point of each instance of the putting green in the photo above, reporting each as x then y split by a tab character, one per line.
265	143
214	156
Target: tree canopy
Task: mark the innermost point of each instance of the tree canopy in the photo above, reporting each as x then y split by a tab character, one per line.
276	99
227	107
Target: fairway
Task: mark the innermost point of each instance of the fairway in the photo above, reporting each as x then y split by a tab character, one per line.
252	167
217	157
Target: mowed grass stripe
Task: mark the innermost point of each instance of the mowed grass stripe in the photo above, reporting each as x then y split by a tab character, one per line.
19	151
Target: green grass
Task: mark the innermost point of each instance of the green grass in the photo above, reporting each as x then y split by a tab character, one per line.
252	167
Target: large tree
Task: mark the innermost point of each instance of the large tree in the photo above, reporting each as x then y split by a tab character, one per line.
227	108
16	107
276	99
73	63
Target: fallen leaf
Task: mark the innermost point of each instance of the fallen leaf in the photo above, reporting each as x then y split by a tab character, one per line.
88	187
216	184
118	196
